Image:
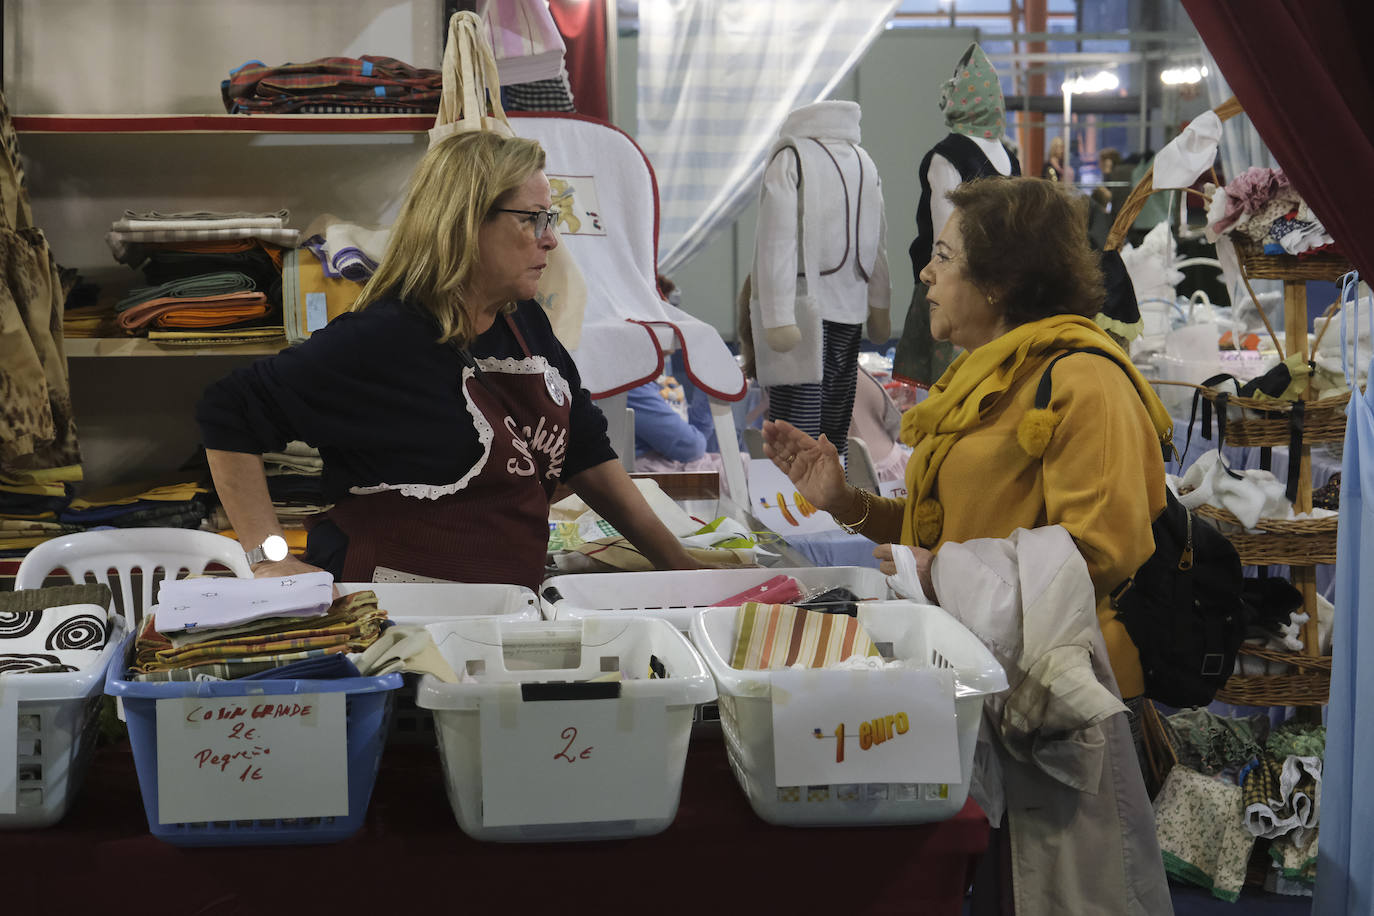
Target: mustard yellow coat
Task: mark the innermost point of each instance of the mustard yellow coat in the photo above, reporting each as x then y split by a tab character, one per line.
1101	477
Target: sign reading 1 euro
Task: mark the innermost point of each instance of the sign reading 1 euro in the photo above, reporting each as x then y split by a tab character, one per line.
835	726
261	757
565	761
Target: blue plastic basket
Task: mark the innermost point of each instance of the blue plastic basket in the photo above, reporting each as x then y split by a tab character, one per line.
368	708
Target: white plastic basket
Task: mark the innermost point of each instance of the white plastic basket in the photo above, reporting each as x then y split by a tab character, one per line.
59	718
677	595
508	657
419	603
922	635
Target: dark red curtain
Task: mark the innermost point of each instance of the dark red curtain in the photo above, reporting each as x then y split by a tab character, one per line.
582	23
1304	72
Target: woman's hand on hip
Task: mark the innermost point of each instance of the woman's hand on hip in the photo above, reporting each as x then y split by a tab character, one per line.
813	465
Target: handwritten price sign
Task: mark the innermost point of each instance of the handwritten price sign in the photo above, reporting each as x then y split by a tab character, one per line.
251	757
864	726
561	761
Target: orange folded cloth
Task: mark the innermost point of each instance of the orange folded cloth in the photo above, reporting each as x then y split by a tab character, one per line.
197	311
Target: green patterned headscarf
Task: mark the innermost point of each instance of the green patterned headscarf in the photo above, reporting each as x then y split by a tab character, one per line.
972	98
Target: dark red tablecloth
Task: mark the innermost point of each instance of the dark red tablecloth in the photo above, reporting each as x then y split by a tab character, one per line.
410	857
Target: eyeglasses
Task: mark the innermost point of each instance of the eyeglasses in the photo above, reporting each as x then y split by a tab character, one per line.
540	219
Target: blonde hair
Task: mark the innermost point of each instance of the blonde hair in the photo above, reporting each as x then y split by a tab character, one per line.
433	251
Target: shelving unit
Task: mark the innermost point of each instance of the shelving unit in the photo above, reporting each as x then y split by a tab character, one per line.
220	123
1308	542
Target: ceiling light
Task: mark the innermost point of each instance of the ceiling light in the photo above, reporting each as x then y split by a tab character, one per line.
1182	76
1102	81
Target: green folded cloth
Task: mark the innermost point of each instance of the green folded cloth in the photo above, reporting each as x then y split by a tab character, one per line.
213	284
39	599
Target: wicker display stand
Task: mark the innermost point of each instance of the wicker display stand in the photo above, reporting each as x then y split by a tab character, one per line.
1299	543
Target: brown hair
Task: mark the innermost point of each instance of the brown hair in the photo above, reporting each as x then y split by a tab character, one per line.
1026	247
1110	153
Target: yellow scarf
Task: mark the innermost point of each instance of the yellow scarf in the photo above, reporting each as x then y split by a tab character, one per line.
972	384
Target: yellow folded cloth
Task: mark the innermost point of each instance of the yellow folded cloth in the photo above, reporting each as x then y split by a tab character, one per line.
174	488
69	473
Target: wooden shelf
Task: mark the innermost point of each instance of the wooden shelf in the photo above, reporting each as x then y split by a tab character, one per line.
222	123
142	346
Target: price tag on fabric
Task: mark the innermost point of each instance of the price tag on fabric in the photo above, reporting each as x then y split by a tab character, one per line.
561	761
835	726
251	757
9	749
316	311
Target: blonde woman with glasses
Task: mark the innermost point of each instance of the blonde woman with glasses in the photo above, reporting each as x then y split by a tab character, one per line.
445	410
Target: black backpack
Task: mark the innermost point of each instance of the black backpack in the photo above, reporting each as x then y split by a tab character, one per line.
1183	607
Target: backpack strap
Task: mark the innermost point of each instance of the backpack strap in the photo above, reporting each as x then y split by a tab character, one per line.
1046	386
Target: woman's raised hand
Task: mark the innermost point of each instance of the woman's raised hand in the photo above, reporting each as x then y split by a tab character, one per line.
813	465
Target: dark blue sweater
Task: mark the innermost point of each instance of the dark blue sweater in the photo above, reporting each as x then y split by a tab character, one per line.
380	399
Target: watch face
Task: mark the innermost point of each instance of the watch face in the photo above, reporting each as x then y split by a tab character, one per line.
274	548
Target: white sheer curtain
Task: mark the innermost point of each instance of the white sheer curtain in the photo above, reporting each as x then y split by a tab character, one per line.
1240	148
716	80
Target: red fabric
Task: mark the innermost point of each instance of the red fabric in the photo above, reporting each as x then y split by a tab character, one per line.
410	856
1307	84
582	23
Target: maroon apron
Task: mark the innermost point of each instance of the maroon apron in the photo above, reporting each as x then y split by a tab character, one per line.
494	529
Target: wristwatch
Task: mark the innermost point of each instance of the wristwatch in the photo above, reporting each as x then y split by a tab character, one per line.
274	548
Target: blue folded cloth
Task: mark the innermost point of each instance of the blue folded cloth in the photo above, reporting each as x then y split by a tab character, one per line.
321	668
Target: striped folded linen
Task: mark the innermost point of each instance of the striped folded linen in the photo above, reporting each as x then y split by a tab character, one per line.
239	222
773	636
126	245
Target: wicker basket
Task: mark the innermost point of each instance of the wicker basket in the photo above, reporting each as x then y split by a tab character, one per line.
1290	542
1321	265
1160	754
1308	684
1264	422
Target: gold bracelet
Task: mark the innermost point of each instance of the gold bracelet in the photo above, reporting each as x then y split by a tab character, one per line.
868	505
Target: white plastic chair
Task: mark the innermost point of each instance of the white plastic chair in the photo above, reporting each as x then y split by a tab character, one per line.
93	555
860	470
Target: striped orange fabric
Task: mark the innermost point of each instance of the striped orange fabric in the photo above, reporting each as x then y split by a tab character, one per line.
773	636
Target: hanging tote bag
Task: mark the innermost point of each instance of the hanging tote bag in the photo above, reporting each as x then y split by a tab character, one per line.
471	100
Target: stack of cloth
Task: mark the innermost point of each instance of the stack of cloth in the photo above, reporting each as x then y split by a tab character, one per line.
174	501
55	630
1261	205
332	85
210	277
31	503
1236	782
295	483
313	645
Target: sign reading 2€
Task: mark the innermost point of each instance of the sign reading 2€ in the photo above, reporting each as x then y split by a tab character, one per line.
894	725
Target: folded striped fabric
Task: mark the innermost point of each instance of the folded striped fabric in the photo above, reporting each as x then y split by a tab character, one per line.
243	222
773	636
